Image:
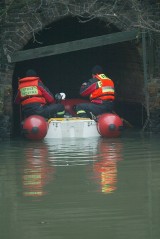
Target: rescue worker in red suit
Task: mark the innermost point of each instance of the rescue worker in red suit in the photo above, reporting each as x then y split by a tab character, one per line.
100	90
36	99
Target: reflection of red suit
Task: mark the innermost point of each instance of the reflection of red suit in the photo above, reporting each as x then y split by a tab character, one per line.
36	173
105	170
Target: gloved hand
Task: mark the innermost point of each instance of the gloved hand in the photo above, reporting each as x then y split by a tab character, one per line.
60	96
63	95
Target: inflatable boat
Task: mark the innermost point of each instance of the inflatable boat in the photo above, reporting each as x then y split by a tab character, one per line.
106	125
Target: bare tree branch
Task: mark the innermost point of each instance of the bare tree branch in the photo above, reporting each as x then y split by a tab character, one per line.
127	14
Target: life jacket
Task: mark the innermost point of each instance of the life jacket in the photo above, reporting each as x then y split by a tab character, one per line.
105	90
29	91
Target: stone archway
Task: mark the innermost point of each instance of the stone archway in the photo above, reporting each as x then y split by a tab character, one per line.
124	56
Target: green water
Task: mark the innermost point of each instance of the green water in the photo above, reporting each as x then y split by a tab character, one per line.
81	189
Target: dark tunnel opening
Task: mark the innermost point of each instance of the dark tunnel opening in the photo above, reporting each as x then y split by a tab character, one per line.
66	72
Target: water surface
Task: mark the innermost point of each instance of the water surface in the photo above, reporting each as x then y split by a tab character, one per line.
81	189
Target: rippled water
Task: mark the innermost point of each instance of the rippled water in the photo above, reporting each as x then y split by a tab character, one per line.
81	189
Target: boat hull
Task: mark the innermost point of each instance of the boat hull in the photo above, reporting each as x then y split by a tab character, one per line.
71	128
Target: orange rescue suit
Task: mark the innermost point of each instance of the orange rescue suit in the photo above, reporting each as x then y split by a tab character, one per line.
29	91
105	90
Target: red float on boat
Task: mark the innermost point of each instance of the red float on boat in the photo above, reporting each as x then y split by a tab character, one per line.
106	125
109	125
35	127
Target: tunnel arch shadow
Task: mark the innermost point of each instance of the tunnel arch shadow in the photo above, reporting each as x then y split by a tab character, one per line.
66	72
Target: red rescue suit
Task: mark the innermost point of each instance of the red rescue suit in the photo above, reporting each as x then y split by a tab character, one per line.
99	89
32	90
36	99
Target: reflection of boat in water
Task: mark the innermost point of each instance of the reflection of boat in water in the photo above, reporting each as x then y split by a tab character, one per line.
96	157
105	169
36	173
106	125
100	156
73	152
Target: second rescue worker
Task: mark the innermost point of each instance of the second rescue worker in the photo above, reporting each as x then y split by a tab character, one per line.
100	90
